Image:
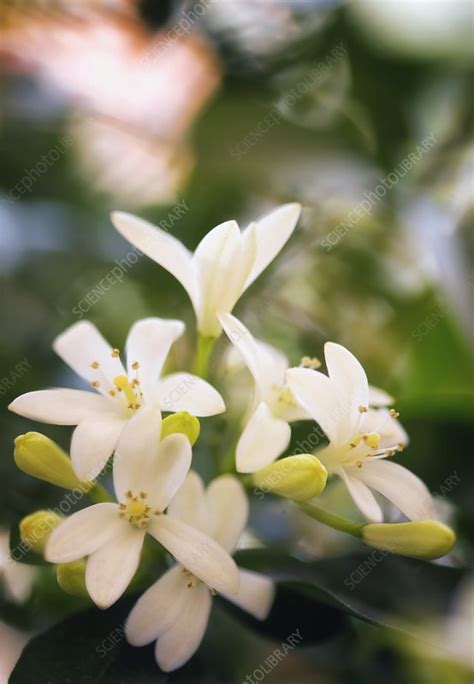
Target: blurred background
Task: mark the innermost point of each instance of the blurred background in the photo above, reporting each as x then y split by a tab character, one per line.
191	113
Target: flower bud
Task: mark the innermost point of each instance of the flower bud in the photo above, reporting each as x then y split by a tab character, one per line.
182	422
39	456
424	539
36	528
72	577
296	477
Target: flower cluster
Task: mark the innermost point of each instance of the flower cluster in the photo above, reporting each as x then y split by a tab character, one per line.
119	421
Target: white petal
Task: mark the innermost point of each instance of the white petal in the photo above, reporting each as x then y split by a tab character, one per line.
361	495
229	509
187	392
158	608
349	379
93	443
60	406
318	396
400	486
80	346
83	533
190	504
111	568
378	397
197	552
148	343
223	261
262	441
179	643
159	246
255	595
266	364
19	579
272	232
136	450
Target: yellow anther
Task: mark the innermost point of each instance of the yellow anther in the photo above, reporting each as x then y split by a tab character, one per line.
393	413
286	396
359	464
122	383
310	362
400	446
372	439
115	353
95	364
135	365
214	591
112	393
363	409
95	384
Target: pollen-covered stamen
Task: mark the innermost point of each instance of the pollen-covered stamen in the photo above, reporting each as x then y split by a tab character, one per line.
286	396
123	384
136	511
310	362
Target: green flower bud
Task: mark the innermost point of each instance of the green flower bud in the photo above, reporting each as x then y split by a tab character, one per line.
296	477
37	455
425	539
72	577
36	528
182	422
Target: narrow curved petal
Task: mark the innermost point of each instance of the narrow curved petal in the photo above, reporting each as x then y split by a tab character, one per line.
349	379
136	451
272	233
111	568
187	392
400	486
182	640
160	246
266	364
229	509
223	261
262	441
148	344
361	495
80	346
169	470
378	397
197	552
93	443
255	595
158	608
318	396
60	406
83	533
190	504
19	579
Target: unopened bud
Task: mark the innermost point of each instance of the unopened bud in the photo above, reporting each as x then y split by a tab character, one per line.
36	528
296	477
72	577
182	422
39	456
424	539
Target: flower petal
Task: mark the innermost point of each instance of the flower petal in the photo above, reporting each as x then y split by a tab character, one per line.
158	608
400	486
169	470
190	504
179	643
318	396
378	397
390	429
93	443
229	509
81	345
350	381
148	343
187	392
19	579
262	441
223	261
111	568
60	406
197	552
83	533
266	364
271	233
163	248
361	495
255	595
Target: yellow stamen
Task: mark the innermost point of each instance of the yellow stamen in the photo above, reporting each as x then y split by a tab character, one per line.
135	365
95	384
122	383
95	364
372	439
363	409
310	362
115	353
393	413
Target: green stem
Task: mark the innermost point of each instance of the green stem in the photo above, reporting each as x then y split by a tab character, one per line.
205	345
99	494
332	520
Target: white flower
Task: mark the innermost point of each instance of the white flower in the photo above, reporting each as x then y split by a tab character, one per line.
17	577
225	262
147	474
359	437
101	417
267	433
175	610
